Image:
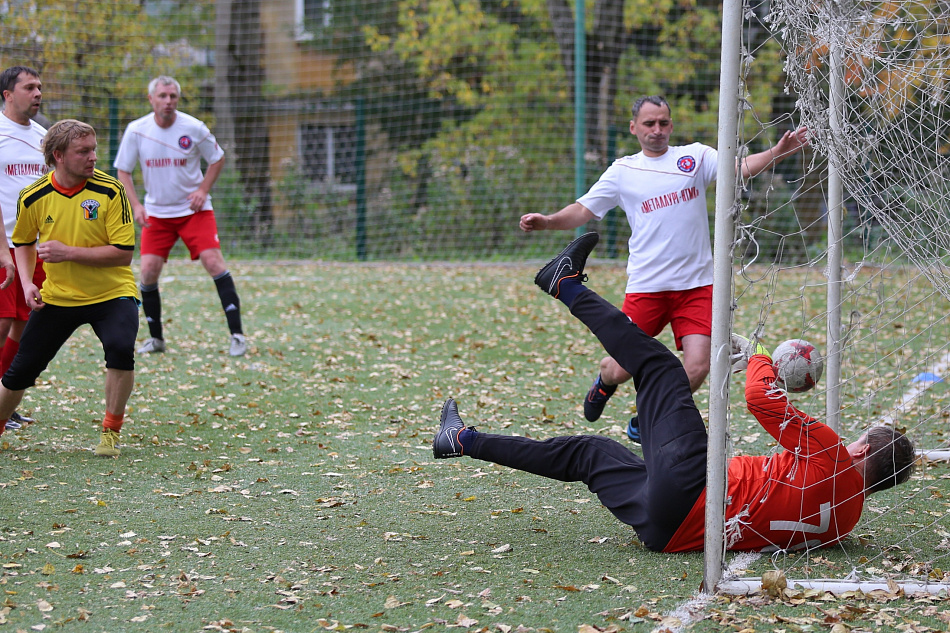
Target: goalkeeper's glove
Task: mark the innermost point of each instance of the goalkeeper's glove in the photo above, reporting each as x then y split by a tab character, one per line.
742	349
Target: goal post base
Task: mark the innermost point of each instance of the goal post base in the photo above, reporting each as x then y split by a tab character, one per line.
747	586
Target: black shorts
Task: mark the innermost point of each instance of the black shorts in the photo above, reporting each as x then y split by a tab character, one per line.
115	322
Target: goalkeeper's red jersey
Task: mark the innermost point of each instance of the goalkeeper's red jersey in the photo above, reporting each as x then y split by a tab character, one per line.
809	495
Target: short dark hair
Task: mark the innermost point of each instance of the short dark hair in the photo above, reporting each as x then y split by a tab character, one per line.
60	135
10	77
890	460
654	99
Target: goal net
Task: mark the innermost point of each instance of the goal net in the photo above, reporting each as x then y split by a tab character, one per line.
870	81
892	146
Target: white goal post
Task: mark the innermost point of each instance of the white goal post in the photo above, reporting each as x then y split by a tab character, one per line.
719	370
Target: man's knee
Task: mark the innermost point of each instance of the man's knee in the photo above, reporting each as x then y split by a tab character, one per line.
118	346
6	324
697	372
150	269
22	376
119	355
118	335
696	350
612	373
213	261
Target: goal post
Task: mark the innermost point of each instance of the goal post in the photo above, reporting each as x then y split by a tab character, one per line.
716	484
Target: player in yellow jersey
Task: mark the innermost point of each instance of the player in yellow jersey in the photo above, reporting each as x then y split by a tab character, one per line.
78	220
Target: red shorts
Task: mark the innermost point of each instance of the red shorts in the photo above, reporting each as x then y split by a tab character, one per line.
198	231
12	302
687	312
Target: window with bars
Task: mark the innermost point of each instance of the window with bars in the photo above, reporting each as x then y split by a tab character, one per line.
312	15
328	153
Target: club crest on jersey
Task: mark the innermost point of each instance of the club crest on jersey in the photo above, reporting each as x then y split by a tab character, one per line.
185	142
90	209
686	164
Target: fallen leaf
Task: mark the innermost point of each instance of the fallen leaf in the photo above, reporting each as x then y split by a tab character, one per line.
392	602
774	583
465	621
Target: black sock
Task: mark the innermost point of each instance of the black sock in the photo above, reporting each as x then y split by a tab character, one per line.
568	289
152	307
229	301
465	437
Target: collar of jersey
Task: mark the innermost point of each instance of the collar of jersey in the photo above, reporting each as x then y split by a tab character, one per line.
66	192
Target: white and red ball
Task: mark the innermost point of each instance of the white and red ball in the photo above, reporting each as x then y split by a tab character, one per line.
798	365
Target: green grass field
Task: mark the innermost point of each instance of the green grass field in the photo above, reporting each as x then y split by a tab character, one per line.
295	489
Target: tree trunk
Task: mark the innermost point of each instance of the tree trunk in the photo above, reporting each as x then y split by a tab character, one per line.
607	40
245	78
224	125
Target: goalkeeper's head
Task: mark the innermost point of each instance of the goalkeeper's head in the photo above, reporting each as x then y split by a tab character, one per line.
889	459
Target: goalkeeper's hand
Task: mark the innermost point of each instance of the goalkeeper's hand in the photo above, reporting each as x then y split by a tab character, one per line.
742	349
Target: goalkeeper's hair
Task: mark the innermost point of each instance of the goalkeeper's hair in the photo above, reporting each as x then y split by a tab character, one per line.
890	461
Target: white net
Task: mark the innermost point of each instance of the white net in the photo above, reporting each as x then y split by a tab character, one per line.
889	146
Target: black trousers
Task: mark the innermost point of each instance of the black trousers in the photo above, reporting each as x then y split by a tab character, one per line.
115	322
653	494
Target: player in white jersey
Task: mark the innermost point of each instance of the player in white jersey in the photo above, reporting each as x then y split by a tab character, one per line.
21	163
662	190
169	146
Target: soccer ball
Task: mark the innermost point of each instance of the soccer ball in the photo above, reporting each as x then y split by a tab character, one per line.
797	365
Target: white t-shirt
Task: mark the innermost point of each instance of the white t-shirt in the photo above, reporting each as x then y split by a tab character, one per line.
170	159
665	202
21	163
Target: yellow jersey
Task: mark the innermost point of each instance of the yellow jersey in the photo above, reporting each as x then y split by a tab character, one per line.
95	214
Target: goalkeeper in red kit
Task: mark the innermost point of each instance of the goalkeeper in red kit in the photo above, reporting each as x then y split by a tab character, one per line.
809	495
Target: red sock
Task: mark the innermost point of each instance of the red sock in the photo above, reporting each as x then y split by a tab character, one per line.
113	421
7	353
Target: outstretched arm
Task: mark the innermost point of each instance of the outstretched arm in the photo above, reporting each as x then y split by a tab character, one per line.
791	142
570	217
795	430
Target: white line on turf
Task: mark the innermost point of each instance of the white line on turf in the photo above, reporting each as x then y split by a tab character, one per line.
923	385
694	609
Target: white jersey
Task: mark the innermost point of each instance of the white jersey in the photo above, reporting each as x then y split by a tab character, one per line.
170	159
665	202
21	163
